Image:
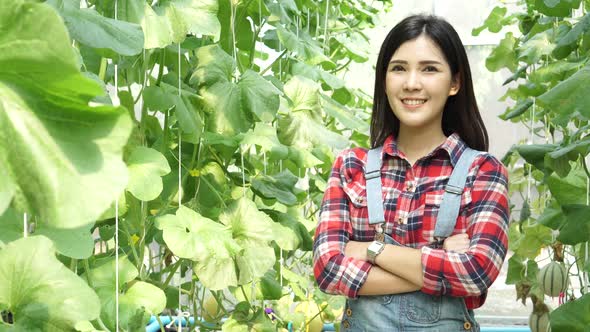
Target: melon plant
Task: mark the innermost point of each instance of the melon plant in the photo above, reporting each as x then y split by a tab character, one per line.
553	279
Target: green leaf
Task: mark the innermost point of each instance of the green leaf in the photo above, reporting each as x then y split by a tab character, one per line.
40	292
569	42
192	236
558	8
536	47
494	21
306	48
65	143
516	270
569	190
259	96
580	147
228	117
357	46
316	74
146	167
303	94
552	217
572	316
92	29
265	136
156	99
289	232
528	244
280	186
170	22
503	55
343	114
214	66
252	230
569	97
576	229
139	301
300	130
12	225
554	72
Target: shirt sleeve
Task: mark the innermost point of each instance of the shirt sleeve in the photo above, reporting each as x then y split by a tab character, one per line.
471	273
334	272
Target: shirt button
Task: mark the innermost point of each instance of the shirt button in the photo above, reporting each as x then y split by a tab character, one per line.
402	220
346	324
410	187
348	312
467	326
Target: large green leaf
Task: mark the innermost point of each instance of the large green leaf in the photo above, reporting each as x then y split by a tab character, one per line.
301	130
280	187
92	29
343	114
12	225
214	65
146	167
303	94
259	96
569	190
228	118
306	48
252	229
538	46
576	229
570	97
69	168
138	302
569	42
265	136
171	21
559	8
528	244
572	316
209	244
40	292
503	55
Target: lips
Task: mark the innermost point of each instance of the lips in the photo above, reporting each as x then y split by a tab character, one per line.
413	101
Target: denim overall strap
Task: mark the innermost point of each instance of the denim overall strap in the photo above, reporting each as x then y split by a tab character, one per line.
451	200
373	186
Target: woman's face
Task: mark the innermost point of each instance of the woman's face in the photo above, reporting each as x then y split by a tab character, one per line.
418	83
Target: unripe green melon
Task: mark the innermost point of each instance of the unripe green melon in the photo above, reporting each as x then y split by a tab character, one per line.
553	279
539	322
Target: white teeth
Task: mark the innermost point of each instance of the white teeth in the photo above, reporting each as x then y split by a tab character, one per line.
413	101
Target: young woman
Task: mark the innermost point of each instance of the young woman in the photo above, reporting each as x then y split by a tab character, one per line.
403	274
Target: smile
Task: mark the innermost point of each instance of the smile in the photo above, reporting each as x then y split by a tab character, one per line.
413	101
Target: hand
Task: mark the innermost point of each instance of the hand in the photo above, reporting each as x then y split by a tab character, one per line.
356	250
457	243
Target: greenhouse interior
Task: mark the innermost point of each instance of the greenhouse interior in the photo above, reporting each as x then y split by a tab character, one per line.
205	165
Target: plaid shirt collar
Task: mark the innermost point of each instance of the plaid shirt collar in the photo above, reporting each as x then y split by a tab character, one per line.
453	145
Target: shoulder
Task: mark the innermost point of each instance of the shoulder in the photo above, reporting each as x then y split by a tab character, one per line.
491	168
350	164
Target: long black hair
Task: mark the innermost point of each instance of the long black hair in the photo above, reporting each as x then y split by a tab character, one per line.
461	114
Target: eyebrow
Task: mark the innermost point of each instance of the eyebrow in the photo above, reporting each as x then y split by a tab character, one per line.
424	62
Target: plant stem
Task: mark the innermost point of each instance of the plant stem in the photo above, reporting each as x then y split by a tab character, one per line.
270	66
103	69
171	275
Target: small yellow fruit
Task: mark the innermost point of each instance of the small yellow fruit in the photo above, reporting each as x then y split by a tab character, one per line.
210	309
313	321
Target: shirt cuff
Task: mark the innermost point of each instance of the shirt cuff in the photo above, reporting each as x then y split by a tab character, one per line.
358	271
432	270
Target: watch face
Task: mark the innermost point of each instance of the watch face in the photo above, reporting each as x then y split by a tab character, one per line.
374	246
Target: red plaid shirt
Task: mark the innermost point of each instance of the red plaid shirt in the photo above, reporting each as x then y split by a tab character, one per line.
412	197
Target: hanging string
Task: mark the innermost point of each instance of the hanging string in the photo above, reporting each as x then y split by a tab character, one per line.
243	171
530	167
180	315
326	25
117	201
25	226
586	251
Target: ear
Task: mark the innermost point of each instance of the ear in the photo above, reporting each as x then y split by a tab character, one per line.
455	85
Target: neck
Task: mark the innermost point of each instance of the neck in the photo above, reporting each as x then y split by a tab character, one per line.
416	143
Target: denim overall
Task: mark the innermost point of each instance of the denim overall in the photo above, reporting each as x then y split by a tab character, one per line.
414	311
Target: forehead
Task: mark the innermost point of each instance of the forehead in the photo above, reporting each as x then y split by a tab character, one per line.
422	48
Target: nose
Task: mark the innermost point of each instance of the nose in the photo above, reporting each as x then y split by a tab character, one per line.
412	81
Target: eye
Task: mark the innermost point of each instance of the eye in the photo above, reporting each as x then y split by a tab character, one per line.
430	69
397	68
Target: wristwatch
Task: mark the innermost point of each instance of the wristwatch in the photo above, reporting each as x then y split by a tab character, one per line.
374	249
